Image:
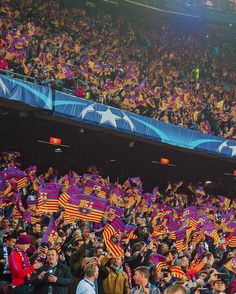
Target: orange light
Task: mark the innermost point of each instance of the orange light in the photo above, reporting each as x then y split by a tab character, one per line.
235	172
165	161
56	141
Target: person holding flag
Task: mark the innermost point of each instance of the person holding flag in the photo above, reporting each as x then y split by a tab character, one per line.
117	280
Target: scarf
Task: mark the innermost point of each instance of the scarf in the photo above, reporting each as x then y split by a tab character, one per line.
129	273
117	270
24	257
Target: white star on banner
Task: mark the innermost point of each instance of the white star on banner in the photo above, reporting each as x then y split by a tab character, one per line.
108	117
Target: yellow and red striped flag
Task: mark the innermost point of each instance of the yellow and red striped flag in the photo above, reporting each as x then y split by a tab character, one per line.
48	197
232	241
113	234
86	207
95	188
193	223
160	265
178	273
231	265
116	197
21	183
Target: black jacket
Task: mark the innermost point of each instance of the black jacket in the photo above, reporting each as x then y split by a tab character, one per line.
4	277
64	279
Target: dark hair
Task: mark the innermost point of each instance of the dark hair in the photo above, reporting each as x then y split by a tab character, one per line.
219	279
9	237
21	232
53	249
5	218
61	233
136	247
165	243
173	251
45	244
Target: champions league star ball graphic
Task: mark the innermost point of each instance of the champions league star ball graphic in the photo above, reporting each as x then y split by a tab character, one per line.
226	145
4	88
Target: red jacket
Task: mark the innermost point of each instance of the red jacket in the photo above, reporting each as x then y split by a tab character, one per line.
18	272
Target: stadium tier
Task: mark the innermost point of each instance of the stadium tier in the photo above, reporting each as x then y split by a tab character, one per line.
70	222
182	78
118	148
87	111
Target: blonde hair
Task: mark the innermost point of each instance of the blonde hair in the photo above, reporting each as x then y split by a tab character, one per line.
90	269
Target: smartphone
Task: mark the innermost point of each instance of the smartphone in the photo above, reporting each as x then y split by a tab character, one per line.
49	272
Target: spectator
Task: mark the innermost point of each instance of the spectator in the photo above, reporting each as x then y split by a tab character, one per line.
175	289
182	239
87	285
219	287
5	224
5	251
36	232
20	266
165	278
80	247
80	92
141	279
117	280
54	277
3	63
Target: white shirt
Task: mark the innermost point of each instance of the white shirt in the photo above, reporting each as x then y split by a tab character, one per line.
85	287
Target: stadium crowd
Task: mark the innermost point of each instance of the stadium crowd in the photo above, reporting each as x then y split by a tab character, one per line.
83	234
179	78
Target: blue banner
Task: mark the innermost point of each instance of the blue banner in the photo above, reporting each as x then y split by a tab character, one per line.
90	112
105	116
29	93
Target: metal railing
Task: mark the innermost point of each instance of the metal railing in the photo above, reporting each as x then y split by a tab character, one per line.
16	75
13	74
46	83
